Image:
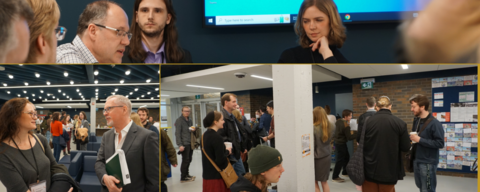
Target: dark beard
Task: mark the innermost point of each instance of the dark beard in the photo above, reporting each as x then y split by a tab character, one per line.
152	34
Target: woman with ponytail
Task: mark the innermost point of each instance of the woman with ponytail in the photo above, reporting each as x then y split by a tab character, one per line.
323	131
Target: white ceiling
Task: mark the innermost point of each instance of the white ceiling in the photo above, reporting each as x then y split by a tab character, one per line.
373	70
61	106
223	77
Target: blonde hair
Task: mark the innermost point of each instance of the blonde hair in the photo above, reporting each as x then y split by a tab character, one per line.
321	123
237	115
136	119
383	102
46	17
336	35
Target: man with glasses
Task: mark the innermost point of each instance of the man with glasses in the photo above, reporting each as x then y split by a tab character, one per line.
102	35
155	37
14	33
183	127
139	144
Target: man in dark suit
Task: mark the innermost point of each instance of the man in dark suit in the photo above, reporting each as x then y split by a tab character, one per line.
139	144
154	34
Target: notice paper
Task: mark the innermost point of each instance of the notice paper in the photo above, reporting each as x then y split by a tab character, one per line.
353	125
438	95
306	145
438	103
466	96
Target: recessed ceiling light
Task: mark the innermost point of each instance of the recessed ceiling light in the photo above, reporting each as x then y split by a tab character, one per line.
33	99
37	75
138	98
18	95
4	84
116	90
78	90
65	74
148	80
96	90
53	96
95	72
8	92
136	89
96	93
143	96
68	96
58	99
24	91
156	89
83	99
148	93
70	99
48	82
260	77
126	96
41	91
121	81
96	82
79	93
48	94
131	93
33	95
205	87
59	91
113	93
63	94
71	82
151	98
10	76
405	66
26	97
127	72
40	97
26	84
69	106
46	99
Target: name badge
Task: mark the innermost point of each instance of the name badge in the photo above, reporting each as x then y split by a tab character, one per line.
39	187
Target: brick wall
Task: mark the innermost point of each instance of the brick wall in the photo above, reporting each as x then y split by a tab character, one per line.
252	100
399	92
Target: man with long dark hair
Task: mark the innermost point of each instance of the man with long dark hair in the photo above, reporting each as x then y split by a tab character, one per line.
155	38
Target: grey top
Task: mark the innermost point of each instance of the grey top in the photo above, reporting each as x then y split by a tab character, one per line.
17	173
182	131
322	149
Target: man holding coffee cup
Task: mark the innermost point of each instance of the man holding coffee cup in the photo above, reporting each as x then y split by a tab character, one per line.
184	126
428	134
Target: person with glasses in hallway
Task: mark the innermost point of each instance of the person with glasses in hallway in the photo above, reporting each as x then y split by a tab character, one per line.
140	145
102	35
155	36
183	128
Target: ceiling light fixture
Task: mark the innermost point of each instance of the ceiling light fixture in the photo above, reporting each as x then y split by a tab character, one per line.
260	77
121	81
48	82
78	90
26	84
37	75
71	82
136	89
96	90
131	93
10	76
95	72
41	91
59	91
96	81
8	92
4	84
205	87
405	66
116	90
148	80
148	93
127	72
24	91
65	74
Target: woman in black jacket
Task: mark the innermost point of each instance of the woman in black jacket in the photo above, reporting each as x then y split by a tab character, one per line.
320	32
214	147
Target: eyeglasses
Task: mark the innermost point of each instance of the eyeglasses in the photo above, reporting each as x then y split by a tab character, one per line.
32	114
106	110
60	33
120	33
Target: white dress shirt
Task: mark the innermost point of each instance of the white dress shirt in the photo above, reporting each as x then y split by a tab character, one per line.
124	132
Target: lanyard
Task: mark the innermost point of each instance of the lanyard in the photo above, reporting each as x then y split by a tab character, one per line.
31	148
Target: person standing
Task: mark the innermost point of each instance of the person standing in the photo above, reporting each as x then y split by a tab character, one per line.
56	127
143	114
343	134
386	136
265	119
428	140
323	131
82	145
67	125
183	127
271	133
167	152
370	103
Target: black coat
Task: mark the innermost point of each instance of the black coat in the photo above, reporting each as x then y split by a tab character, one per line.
187	57
306	55
229	134
386	136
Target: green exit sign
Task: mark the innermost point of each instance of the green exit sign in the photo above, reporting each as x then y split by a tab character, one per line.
367	85
197	96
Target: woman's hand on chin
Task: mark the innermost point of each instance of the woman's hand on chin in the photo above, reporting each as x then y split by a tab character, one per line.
322	46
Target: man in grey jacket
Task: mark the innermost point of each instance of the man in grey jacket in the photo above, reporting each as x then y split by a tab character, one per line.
140	146
183	127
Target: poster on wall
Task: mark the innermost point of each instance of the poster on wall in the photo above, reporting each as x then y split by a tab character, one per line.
306	145
442	116
438	103
438	95
468	80
466	96
464	112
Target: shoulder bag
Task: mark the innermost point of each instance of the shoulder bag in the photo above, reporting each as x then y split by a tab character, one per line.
228	174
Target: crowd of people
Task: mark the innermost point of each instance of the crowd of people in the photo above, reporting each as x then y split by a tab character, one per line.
249	147
104	35
25	165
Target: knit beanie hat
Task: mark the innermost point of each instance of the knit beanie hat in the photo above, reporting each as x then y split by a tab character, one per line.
208	120
262	158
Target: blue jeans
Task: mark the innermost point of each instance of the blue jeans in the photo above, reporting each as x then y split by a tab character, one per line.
56	148
238	167
425	176
48	135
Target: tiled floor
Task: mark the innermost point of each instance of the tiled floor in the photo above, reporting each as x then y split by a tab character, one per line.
445	183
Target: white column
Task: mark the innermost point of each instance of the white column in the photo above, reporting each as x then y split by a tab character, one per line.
93	115
293	105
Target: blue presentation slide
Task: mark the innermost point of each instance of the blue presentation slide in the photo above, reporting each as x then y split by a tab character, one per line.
270	7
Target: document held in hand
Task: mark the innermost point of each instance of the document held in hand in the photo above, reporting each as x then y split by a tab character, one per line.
117	166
